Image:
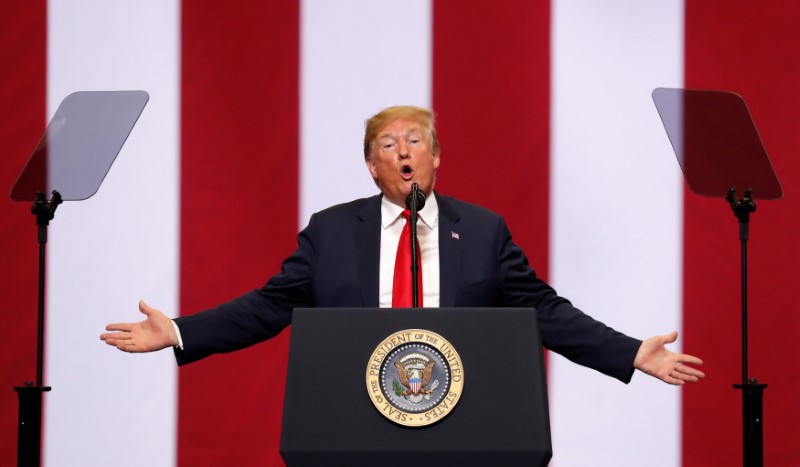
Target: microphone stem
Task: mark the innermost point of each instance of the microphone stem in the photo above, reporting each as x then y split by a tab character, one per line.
414	258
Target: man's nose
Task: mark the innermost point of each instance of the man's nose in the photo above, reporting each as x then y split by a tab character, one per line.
402	150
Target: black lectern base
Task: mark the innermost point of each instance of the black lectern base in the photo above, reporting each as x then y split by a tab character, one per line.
461	458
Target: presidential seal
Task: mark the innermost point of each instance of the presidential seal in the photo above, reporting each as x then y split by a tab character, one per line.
415	377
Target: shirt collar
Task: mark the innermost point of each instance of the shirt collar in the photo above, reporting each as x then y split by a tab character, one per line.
428	215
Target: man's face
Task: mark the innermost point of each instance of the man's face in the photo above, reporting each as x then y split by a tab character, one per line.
401	155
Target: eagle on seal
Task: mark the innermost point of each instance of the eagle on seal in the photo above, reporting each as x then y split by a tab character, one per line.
415	379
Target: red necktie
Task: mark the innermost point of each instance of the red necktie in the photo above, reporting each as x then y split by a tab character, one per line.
401	290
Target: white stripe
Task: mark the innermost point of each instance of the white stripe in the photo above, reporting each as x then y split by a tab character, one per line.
616	220
107	407
357	57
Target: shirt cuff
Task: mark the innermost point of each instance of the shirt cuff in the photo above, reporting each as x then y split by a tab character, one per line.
178	334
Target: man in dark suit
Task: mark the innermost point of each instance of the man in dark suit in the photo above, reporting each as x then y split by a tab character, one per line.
346	257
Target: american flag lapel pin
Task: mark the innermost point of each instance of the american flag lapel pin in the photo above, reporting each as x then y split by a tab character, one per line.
454	235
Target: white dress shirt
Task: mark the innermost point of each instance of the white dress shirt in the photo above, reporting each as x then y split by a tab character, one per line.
392	224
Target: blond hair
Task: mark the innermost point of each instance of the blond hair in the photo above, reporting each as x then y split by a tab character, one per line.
400	112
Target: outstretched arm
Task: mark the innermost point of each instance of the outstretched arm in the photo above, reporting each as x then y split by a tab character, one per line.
654	359
154	333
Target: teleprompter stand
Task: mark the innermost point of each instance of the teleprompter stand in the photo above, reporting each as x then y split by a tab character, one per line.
719	149
71	160
30	396
752	390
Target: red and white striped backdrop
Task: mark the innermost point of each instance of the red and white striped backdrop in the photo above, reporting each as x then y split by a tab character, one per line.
254	122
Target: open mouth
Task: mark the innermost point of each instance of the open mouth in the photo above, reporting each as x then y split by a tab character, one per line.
407	172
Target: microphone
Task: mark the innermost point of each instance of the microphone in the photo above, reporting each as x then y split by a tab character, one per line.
420	198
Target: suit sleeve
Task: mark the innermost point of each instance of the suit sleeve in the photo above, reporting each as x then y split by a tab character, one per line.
564	329
255	316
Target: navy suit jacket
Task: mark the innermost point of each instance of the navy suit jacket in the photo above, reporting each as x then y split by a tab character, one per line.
336	264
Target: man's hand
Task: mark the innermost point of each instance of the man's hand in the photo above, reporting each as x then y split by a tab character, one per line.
655	360
154	333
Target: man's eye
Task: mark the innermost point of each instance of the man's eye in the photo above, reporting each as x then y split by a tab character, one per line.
414	141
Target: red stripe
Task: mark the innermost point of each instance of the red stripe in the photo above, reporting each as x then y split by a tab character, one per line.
239	147
748	48
23	35
491	93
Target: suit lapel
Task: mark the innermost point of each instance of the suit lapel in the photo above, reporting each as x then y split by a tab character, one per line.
450	252
367	233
